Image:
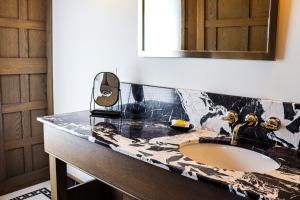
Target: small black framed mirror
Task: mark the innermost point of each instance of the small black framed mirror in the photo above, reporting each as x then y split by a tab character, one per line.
105	95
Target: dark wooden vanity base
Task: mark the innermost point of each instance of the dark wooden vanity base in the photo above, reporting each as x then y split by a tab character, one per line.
131	177
92	190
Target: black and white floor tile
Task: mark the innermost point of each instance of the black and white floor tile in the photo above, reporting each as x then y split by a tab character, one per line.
37	192
40	194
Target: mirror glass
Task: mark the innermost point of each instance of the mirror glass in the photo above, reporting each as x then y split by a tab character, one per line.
244	26
106	89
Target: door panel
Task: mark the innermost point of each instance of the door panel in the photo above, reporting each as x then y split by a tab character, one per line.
38	87
37	44
10	86
14	162
12	127
37	10
23	93
9	42
225	25
37	127
9	8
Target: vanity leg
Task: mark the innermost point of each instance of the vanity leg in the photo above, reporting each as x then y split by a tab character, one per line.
58	179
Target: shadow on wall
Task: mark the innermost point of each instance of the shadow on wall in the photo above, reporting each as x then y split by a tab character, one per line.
283	25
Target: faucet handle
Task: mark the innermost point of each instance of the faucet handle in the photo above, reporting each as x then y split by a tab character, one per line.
273	124
231	117
251	119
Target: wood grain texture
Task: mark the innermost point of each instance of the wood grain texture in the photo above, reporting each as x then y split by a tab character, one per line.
191	24
211	32
23	33
23	66
23	43
10	86
25	24
38	87
37	44
58	176
37	127
12	127
28	158
258	35
14	162
24	81
23	142
200	41
259	8
37	10
244	38
11	108
49	59
2	158
231	9
23	91
40	158
9	46
9	8
183	24
245	29
233	39
237	22
26	127
234	23
258	38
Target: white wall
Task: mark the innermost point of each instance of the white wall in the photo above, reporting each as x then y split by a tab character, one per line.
99	35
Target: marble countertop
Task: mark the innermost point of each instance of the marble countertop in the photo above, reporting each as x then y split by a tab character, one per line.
156	143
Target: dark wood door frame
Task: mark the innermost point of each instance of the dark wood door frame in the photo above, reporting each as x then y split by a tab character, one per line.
50	57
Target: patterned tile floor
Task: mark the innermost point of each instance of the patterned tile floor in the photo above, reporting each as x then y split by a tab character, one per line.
37	192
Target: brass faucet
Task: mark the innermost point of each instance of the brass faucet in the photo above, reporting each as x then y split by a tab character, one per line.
231	117
272	124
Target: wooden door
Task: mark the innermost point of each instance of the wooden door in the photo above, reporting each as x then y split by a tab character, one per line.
24	82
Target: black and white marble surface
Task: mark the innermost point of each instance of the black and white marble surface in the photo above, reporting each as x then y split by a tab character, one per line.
205	110
143	133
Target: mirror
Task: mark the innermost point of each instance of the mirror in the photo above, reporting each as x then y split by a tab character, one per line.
106	89
105	94
240	29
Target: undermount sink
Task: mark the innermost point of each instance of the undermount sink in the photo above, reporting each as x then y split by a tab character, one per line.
228	157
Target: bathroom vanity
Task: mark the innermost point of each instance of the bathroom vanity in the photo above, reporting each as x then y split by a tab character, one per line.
134	177
139	156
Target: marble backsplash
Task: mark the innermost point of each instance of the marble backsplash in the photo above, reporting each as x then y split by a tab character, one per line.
205	110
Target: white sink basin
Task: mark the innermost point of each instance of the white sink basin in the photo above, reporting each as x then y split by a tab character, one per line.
228	157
